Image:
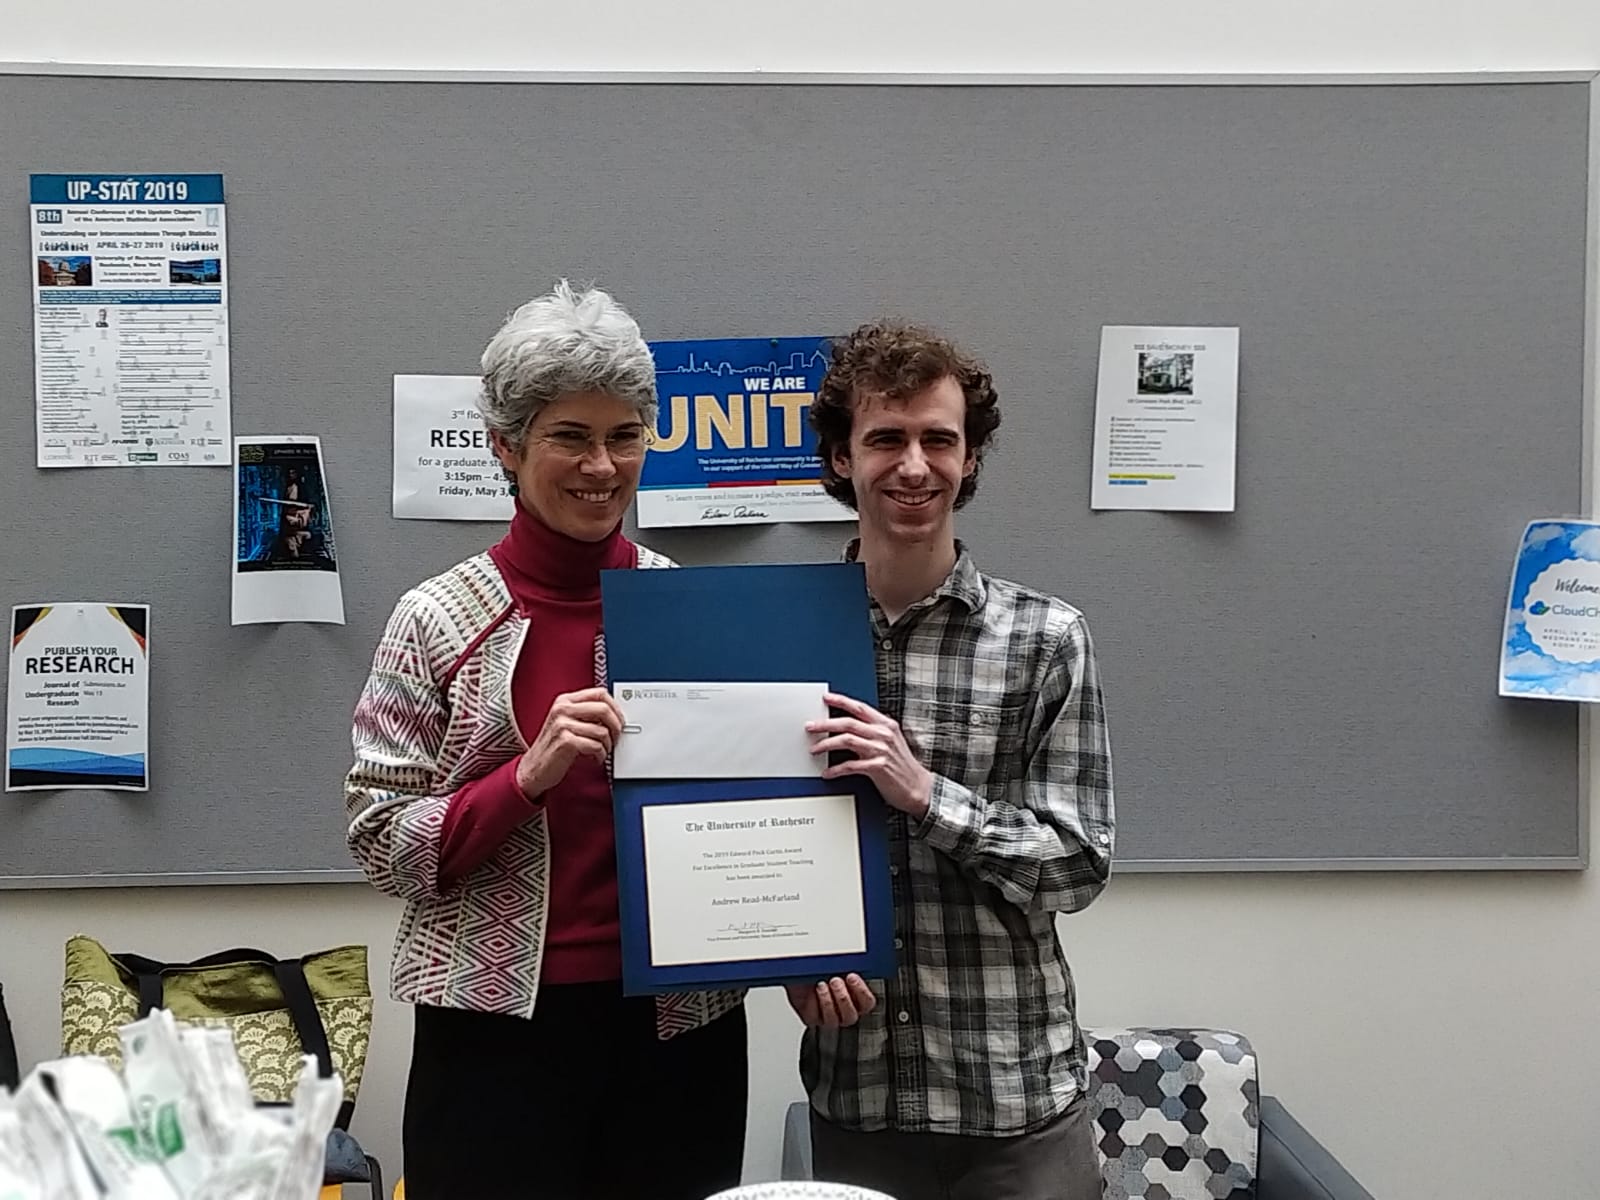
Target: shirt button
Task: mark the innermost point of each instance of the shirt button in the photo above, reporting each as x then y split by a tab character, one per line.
975	719
894	869
904	1017
899	944
1105	839
886	644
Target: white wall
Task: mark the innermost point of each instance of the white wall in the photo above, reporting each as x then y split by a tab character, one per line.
823	35
1435	1031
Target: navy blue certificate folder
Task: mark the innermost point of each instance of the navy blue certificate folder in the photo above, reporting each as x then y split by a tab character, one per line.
754	624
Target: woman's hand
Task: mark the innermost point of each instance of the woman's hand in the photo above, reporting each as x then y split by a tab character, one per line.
585	722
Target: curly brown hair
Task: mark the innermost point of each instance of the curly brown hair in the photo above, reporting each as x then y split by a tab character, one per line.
898	360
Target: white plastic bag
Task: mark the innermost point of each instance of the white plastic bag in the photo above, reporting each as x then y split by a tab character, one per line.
91	1094
63	1172
179	1124
166	1105
220	1081
19	1177
316	1106
279	1155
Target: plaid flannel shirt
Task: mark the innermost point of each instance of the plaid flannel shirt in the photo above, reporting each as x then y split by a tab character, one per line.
996	690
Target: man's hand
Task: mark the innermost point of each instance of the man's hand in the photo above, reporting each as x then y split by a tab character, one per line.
881	754
833	1003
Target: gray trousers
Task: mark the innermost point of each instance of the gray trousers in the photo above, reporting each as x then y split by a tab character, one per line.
1057	1162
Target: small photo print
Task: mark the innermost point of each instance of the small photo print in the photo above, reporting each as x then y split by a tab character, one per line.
73	270
194	270
1166	374
284	522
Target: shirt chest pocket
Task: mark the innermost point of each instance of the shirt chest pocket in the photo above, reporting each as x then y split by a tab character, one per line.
977	745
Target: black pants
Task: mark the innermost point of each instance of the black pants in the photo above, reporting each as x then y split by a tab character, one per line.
583	1102
10	1072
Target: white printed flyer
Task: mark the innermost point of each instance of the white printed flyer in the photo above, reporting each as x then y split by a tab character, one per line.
130	318
78	700
1166	419
444	465
1551	647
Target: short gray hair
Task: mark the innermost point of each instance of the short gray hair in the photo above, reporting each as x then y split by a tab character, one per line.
566	341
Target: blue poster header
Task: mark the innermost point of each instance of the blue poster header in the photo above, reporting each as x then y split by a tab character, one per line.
125	189
734	412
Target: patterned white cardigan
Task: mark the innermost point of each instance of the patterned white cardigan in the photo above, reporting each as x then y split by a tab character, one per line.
435	714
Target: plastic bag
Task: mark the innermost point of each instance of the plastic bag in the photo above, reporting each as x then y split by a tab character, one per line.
92	1096
166	1105
19	1178
179	1123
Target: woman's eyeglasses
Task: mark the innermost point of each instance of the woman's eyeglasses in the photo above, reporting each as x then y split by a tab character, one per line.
621	444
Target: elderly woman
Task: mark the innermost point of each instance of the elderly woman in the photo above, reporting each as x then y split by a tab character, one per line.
480	796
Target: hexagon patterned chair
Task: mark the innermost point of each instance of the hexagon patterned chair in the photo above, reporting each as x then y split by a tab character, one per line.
1178	1116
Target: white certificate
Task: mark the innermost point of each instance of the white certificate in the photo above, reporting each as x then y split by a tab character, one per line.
1166	419
742	880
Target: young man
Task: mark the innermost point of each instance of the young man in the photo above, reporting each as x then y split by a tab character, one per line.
966	1080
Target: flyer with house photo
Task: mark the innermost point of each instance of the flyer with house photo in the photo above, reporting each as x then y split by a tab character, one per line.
1166	418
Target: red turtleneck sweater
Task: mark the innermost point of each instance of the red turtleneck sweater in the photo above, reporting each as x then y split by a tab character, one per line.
555	583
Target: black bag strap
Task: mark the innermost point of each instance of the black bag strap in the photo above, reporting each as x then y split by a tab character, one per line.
290	974
10	1069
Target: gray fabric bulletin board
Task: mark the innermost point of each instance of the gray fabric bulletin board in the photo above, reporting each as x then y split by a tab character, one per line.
1308	682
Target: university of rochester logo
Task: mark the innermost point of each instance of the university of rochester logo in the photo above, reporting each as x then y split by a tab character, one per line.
627	693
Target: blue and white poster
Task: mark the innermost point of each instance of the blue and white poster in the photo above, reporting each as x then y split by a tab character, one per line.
1551	649
733	445
78	704
130	320
285	562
